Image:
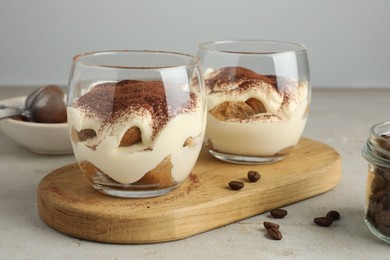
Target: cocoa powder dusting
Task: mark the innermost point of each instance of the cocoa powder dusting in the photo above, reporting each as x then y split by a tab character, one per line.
241	75
194	182
111	100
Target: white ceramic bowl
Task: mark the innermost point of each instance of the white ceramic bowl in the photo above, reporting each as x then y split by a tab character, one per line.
38	137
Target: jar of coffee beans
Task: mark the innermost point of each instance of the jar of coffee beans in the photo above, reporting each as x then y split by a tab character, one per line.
377	207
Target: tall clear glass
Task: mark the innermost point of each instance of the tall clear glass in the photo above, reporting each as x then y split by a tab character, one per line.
136	119
258	95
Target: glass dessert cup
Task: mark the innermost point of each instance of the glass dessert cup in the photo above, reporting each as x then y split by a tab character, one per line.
258	97
136	120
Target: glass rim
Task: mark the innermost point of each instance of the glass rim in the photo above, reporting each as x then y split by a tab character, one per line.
374	129
370	150
298	47
76	59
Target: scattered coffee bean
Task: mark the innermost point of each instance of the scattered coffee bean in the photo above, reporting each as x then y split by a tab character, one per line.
323	221
236	185
278	213
269	225
274	233
333	214
254	176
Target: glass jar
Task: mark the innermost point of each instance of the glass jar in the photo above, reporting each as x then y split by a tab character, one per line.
377	207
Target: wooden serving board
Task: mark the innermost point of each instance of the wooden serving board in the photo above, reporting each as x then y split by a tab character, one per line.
67	203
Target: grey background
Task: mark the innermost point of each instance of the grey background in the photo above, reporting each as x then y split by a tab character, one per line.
348	41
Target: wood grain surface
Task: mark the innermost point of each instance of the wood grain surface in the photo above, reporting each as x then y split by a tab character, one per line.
67	203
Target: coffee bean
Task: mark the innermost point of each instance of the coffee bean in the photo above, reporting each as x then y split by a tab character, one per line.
274	233
236	185
386	201
379	195
254	176
269	225
278	213
385	142
323	221
333	214
384	229
378	183
383	218
386	175
373	208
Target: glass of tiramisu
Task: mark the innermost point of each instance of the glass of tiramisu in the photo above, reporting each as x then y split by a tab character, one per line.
136	119
258	95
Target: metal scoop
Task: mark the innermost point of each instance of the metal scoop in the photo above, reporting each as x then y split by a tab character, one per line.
44	105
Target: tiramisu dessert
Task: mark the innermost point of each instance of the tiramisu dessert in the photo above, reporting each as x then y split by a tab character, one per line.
137	134
252	114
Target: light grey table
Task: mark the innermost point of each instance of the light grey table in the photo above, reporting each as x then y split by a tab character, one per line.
340	118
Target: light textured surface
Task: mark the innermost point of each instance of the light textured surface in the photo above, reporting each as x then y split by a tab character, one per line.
340	118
